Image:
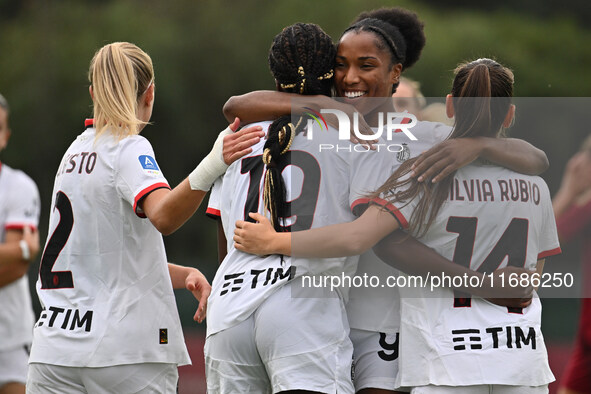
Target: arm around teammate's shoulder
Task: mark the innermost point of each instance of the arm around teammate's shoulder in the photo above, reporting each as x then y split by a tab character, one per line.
452	154
337	240
515	154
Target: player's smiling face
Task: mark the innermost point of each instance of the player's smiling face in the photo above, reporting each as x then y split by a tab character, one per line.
363	69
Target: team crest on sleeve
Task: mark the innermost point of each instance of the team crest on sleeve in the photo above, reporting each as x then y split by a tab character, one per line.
149	165
404	154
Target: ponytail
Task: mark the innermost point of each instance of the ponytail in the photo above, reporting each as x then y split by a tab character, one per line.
120	73
279	140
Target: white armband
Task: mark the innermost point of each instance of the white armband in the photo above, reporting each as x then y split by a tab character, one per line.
211	167
25	249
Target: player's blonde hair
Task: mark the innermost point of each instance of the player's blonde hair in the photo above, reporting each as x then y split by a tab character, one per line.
120	73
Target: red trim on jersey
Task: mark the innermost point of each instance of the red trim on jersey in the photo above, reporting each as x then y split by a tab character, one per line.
404	121
547	253
357	204
88	122
213	213
19	226
144	193
385	204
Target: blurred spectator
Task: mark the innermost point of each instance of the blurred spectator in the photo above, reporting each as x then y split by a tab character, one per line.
572	207
408	97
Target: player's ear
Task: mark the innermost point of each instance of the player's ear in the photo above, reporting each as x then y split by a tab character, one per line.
90	91
395	73
149	95
509	117
449	106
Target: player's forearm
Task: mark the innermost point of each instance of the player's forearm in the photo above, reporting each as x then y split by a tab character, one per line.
319	242
170	209
515	154
10	253
12	264
412	257
338	240
178	275
258	106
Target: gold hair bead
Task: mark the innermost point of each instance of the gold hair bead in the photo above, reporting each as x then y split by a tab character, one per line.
328	75
287	85
281	135
303	81
267	156
291	136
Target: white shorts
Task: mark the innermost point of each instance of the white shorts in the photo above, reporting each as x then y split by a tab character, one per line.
481	389
286	344
375	360
147	378
13	365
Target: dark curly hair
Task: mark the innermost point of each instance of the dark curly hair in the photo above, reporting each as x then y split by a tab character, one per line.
399	31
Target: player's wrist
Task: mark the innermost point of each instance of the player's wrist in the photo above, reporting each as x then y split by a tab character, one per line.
211	167
280	244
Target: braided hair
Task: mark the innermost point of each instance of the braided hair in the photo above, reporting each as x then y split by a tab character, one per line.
301	60
399	31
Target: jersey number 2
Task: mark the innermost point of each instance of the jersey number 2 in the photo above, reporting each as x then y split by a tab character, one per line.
57	279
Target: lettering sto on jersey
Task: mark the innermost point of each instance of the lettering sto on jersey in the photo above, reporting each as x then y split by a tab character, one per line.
78	163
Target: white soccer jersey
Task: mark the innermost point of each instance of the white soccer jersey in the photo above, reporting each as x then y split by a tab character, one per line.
104	284
325	178
493	217
19	207
378	308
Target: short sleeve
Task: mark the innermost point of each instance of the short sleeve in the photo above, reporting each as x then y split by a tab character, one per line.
548	243
214	205
369	171
138	173
24	204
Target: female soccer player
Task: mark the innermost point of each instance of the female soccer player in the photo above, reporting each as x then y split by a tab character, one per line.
371	55
265	333
484	217
19	212
109	321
